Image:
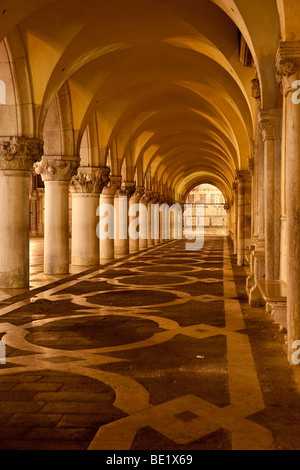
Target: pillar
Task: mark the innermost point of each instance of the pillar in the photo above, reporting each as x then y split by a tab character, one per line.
122	219
106	228
152	201
288	67
135	220
163	219
156	219
153	219
144	214
257	168
34	213
227	208
57	174
270	125
244	216
41	211
235	216
85	188
17	156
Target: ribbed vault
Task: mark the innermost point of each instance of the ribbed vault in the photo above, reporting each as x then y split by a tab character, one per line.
159	84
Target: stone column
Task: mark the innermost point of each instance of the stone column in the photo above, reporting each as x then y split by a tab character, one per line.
134	217
34	213
122	220
17	155
250	282
162	220
270	125
153	219
288	67
41	210
244	216
144	225
86	188
227	208
235	216
150	219
57	174
107	215
156	219
173	218
258	242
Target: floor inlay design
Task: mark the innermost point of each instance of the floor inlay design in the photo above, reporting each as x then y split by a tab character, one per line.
150	352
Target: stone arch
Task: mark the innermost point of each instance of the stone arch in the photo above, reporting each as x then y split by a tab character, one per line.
57	132
19	114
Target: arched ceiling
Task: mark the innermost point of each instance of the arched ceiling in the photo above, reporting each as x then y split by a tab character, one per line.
162	79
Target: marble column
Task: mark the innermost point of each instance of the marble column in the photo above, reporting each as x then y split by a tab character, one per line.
122	220
17	155
152	201
162	219
106	227
153	219
250	282
173	221
135	220
86	188
257	167
288	67
235	215
34	213
41	211
144	225
227	208
270	125
244	216
57	174
156	219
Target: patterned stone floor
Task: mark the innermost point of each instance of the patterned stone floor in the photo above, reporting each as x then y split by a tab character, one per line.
158	351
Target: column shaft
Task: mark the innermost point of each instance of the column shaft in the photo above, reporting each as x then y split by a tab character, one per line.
135	216
86	188
85	243
235	217
241	222
57	174
17	155
107	218
56	250
14	229
271	131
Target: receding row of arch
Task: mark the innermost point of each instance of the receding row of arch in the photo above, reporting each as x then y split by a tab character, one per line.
161	98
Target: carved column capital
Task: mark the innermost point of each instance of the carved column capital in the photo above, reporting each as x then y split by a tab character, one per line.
242	176
155	198
19	153
270	124
126	189
170	201
288	64
227	207
235	187
147	197
89	180
57	169
138	194
112	187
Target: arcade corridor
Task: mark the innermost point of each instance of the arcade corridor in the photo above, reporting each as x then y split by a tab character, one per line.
155	351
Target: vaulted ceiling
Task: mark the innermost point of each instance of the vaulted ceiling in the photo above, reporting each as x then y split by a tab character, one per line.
162	79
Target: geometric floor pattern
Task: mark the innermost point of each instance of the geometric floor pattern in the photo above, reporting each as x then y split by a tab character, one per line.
156	351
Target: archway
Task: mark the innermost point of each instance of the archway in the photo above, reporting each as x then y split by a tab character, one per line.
213	202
